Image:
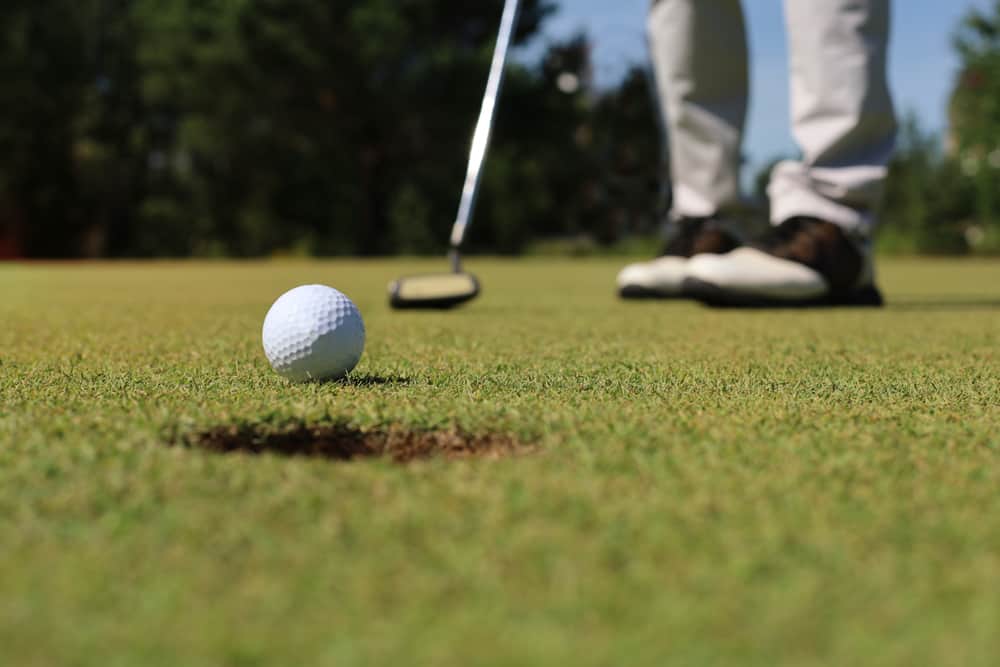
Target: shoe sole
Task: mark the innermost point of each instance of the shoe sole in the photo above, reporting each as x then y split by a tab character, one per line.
717	297
636	293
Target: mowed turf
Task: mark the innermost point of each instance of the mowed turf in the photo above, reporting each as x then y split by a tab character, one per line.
701	486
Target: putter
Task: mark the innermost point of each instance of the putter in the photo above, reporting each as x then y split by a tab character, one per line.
447	290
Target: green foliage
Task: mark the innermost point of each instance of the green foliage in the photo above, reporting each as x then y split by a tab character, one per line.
40	47
976	103
176	127
929	203
974	144
250	128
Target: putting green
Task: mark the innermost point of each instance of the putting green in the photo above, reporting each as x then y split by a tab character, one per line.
697	486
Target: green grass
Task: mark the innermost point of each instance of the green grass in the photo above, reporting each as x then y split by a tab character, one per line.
709	487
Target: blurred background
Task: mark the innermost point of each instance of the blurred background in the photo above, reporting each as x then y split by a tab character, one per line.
248	128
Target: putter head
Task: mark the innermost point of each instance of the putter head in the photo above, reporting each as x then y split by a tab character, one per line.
433	291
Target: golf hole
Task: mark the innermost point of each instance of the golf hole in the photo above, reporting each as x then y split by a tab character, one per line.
343	443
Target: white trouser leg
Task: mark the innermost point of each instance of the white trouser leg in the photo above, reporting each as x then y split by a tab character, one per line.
842	113
699	53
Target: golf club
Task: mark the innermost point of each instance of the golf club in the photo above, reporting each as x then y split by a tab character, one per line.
447	290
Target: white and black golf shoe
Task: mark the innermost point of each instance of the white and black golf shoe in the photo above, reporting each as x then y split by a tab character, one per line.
804	262
663	277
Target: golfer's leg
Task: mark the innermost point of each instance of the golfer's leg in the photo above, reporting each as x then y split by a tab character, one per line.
699	53
824	203
842	113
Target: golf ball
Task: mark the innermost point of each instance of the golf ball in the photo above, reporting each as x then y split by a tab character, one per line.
313	332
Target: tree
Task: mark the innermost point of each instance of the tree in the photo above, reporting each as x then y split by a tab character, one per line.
631	157
338	128
70	124
928	201
975	120
248	127
40	47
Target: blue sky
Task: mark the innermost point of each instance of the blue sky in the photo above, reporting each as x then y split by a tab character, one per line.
922	64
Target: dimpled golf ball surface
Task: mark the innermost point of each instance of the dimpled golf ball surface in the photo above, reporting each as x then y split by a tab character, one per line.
313	332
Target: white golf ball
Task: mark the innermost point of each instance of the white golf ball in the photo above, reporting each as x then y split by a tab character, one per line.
313	332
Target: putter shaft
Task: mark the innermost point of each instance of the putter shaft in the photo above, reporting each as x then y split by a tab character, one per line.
484	127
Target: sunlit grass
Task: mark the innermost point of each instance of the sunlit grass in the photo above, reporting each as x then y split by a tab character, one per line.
704	486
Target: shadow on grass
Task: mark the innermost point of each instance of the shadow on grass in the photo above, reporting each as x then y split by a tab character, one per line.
375	380
899	304
344	443
943	303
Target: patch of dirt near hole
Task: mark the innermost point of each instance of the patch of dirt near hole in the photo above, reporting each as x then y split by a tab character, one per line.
342	443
